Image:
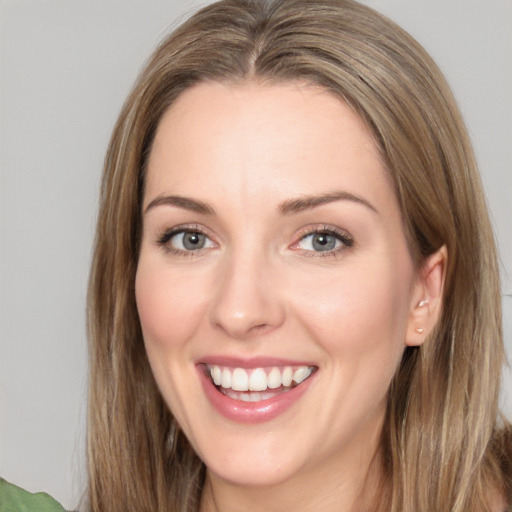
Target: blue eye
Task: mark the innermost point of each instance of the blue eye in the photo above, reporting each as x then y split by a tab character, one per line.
185	241
326	241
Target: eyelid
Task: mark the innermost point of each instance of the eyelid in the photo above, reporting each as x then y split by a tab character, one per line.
164	236
346	239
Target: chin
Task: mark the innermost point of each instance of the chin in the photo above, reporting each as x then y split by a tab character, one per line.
247	473
251	458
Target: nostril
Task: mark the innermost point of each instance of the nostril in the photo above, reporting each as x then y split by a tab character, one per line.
243	328
260	329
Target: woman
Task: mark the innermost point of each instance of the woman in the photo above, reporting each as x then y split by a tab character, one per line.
294	298
234	365
202	296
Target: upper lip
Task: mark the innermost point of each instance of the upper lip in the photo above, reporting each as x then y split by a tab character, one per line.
251	362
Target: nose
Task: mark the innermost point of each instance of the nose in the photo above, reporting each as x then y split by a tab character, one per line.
247	299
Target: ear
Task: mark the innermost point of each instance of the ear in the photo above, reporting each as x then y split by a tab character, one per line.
426	298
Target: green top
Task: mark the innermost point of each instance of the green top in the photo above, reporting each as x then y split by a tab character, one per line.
15	499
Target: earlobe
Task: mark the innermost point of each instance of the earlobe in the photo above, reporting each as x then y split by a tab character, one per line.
427	298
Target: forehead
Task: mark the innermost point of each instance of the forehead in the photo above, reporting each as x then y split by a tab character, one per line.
250	140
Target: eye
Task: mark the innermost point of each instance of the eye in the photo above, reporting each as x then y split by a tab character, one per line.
319	242
189	241
185	240
324	240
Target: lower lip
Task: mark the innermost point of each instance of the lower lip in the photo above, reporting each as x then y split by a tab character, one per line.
251	412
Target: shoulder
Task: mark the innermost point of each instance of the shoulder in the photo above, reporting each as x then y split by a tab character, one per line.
15	499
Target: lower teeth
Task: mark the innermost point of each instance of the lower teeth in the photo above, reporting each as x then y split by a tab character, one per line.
252	396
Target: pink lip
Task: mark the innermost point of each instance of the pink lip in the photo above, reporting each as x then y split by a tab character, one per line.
250	412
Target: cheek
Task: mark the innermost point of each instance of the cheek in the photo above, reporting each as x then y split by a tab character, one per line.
169	306
361	312
170	312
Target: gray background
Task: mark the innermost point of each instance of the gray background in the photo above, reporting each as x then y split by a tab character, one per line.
65	68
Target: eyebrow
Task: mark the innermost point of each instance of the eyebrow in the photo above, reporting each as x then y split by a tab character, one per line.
186	203
300	204
288	207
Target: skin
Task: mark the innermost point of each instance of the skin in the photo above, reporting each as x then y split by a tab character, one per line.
260	288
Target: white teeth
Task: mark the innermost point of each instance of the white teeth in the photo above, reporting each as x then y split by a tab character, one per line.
247	397
287	376
301	374
274	378
216	374
226	378
258	380
240	379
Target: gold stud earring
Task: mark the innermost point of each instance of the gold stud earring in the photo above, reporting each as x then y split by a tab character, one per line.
419	330
422	303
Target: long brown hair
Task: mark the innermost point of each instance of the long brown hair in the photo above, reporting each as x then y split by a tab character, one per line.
443	448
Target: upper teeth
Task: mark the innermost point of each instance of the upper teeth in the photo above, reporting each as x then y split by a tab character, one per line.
258	379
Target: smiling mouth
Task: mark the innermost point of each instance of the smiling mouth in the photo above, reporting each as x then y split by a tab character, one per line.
257	384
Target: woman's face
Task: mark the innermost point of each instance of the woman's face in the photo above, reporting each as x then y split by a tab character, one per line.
274	284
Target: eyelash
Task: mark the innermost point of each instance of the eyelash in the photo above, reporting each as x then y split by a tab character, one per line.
342	236
165	237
